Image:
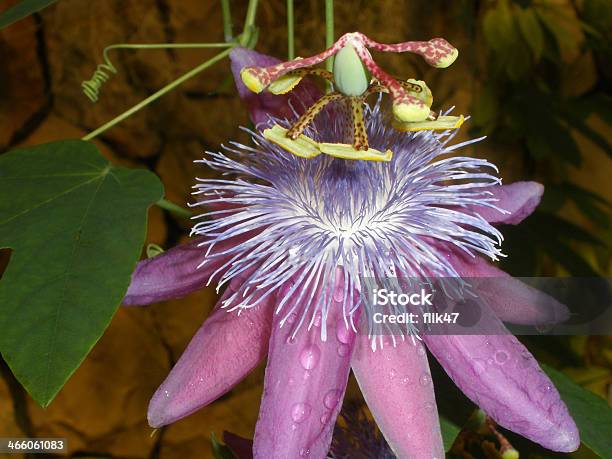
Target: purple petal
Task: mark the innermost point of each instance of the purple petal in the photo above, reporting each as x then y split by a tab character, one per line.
510	299
221	353
303	388
266	104
518	199
174	273
500	375
396	384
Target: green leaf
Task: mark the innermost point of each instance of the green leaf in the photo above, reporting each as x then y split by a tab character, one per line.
531	30
76	225
592	415
21	10
450	430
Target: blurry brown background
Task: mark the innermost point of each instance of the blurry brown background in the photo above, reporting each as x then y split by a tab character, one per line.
44	59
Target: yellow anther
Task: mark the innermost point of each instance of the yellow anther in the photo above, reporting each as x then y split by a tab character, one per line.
284	84
346	151
442	123
410	112
424	94
303	146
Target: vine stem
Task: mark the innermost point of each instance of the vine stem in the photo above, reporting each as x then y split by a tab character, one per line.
166	89
329	34
290	31
250	16
227	20
164	46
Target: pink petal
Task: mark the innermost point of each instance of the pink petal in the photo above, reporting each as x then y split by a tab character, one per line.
510	299
396	384
221	353
264	104
175	273
303	389
518	199
500	375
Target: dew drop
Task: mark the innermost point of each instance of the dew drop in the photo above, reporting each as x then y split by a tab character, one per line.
429	406
501	357
424	379
479	367
332	398
392	373
317	320
406	381
324	418
343	350
342	333
545	388
305	452
310	357
421	350
291	318
338	294
300	411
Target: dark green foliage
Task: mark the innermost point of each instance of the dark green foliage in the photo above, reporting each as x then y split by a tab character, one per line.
76	225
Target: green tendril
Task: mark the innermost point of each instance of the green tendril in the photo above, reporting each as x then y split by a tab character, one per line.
91	88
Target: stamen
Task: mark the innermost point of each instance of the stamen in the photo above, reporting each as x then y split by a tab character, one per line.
310	114
412	99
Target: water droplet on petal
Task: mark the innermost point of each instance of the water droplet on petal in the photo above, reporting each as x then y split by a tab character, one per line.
342	333
304	452
300	411
501	357
324	418
338	294
421	350
332	398
343	350
291	318
424	379
392	373
406	381
310	357
317	319
545	388
429	406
